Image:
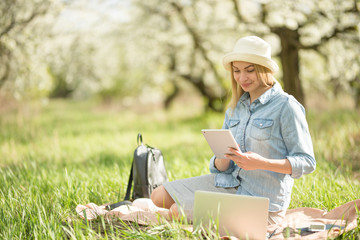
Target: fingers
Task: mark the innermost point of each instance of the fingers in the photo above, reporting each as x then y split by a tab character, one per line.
237	157
235	151
230	156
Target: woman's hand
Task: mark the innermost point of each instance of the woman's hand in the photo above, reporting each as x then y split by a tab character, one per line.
248	160
253	161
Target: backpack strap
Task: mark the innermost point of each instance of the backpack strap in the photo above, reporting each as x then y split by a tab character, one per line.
139	139
128	190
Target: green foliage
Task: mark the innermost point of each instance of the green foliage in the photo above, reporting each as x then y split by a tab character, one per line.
69	153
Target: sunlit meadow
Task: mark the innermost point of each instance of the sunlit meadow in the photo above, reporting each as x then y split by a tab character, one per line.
66	153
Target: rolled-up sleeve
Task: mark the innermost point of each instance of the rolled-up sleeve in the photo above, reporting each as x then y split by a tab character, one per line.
297	139
213	169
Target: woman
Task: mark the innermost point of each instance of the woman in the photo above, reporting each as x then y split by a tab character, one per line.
272	132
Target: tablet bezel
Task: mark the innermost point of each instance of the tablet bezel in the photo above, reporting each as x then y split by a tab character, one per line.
219	141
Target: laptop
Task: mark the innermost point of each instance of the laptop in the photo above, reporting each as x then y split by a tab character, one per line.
244	217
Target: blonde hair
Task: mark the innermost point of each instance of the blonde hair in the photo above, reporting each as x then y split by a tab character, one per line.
263	74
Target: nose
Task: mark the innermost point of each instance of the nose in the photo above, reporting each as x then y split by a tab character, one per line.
241	77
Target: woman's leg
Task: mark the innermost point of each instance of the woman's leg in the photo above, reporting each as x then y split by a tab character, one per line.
182	192
161	198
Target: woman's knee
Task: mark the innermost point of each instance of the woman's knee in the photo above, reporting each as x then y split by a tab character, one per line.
157	193
161	198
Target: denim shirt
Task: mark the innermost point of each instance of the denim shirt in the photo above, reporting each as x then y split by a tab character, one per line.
275	127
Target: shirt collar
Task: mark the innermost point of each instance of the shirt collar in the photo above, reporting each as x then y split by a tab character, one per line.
266	96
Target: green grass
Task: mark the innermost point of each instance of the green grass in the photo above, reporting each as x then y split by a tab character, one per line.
55	157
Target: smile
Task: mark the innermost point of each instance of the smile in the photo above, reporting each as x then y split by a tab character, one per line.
245	85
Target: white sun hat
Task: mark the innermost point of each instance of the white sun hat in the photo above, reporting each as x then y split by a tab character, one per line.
251	49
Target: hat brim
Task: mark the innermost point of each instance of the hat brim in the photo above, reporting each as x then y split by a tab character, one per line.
251	58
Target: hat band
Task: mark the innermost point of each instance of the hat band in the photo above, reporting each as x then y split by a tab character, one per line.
251	58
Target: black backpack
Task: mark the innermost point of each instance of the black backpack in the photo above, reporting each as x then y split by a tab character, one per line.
147	172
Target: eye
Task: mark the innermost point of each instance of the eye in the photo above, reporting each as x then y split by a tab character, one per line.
250	70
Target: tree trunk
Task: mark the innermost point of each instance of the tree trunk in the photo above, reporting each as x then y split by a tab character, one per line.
290	62
171	97
357	99
215	102
355	85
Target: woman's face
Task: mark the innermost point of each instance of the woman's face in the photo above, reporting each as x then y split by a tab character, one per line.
245	75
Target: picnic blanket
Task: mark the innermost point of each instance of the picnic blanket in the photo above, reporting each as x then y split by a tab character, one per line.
338	220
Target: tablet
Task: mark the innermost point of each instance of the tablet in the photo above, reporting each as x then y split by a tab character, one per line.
219	141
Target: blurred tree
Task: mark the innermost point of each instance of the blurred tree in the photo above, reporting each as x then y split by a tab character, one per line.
191	36
355	84
160	46
73	68
181	49
303	25
214	99
16	17
86	58
342	57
